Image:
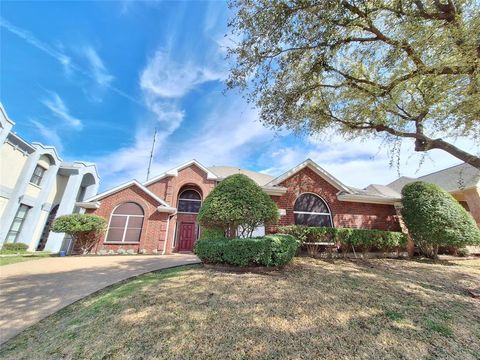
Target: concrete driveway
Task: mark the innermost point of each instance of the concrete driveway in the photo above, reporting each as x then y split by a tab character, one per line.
32	290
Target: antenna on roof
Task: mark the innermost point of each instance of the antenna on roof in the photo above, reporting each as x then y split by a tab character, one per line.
151	154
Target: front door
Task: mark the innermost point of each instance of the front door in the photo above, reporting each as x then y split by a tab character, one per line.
186	237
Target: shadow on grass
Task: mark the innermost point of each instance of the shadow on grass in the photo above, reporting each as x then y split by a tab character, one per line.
313	309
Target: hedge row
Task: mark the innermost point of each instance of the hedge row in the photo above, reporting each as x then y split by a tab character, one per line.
14	248
270	250
360	239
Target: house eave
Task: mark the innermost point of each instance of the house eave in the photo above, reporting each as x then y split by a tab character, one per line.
459	191
88	205
274	191
166	209
368	199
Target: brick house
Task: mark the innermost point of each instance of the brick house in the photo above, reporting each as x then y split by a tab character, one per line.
159	216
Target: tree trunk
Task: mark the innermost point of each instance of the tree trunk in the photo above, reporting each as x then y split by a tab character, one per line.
425	145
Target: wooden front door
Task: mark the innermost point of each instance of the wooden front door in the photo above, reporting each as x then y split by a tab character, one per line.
186	236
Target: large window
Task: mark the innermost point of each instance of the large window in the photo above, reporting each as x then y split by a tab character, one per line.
17	223
311	210
37	175
126	224
189	201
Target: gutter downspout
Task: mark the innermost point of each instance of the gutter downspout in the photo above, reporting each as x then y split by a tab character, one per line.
166	233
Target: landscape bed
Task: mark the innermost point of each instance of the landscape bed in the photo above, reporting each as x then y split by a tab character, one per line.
378	308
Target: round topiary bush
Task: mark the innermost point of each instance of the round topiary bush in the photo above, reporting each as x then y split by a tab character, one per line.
434	218
85	229
237	206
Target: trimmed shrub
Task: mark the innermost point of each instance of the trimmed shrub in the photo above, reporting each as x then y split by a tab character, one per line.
434	218
237	204
360	239
284	247
299	232
270	250
14	248
463	252
212	234
366	239
85	229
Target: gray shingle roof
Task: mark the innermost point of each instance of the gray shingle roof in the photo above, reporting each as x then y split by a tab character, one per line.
454	178
224	171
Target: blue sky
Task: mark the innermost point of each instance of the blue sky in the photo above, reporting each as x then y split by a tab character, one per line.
95	79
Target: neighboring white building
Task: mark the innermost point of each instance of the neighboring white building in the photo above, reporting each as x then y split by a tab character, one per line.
35	187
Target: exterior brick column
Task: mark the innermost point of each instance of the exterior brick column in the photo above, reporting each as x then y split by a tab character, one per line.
472	197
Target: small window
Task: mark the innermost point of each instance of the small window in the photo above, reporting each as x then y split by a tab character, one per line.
311	210
126	223
37	175
17	223
189	201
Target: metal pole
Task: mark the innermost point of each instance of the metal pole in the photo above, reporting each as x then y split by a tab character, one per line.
151	154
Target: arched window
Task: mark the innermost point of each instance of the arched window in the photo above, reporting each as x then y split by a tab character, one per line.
126	223
189	201
311	210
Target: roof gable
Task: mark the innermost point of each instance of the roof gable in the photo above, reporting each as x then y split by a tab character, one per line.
175	170
316	169
125	186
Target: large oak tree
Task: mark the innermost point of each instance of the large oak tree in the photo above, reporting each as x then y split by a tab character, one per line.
404	68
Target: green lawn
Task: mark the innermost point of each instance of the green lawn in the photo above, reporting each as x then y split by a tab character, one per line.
382	309
20	258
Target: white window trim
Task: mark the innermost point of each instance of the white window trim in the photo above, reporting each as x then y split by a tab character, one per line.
19	231
41	177
310	213
125	227
329	214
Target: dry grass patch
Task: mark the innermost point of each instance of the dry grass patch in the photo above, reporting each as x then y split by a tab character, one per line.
314	309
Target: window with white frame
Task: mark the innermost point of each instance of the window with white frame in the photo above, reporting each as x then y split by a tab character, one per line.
17	223
37	175
311	210
126	224
189	201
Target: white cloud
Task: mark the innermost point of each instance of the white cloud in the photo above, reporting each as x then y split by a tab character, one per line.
60	110
360	163
65	60
229	133
97	68
32	40
49	134
167	78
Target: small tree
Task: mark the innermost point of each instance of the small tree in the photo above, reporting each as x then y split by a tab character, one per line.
85	229
434	218
237	205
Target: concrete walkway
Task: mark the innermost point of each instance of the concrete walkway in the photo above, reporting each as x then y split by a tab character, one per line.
32	290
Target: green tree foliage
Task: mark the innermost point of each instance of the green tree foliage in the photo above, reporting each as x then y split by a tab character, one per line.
85	229
390	68
434	218
237	204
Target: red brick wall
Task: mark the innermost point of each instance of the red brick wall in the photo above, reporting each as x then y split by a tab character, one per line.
169	189
154	224
345	214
